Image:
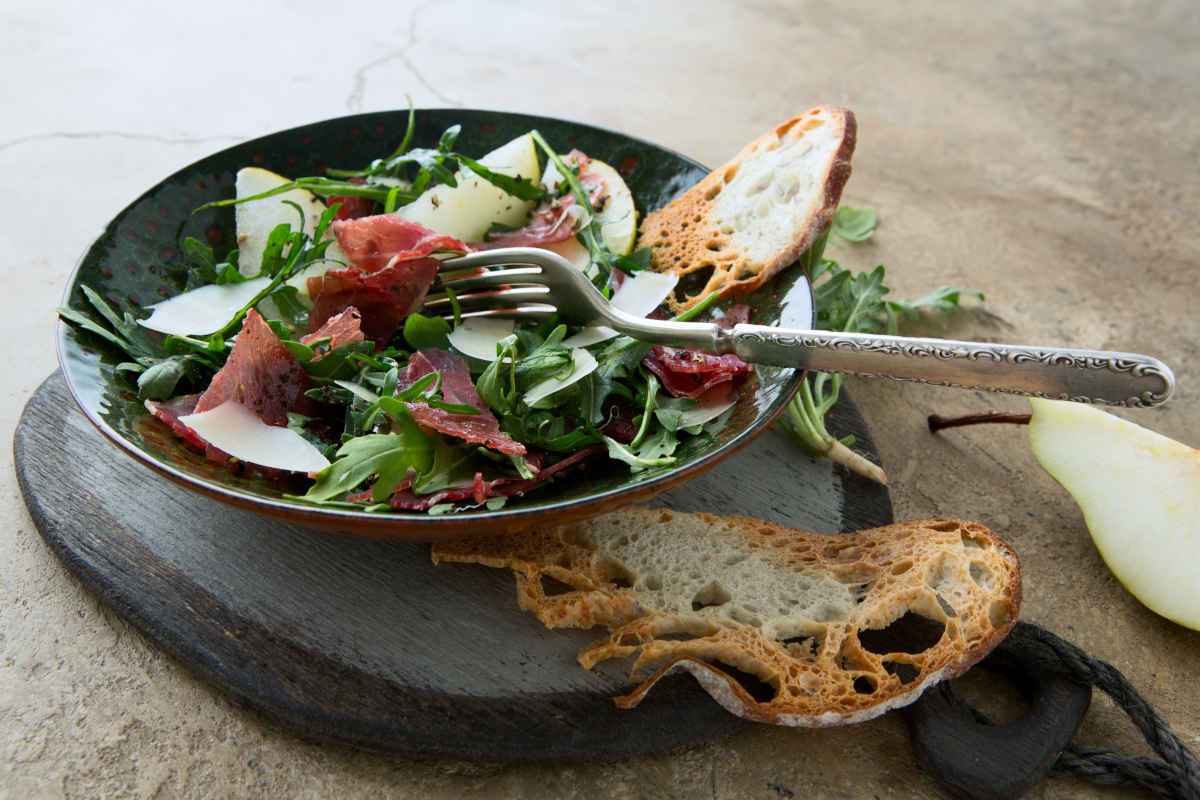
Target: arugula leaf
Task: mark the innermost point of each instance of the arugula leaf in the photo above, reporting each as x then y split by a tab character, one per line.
159	369
322	187
942	300
854	224
449	466
301	251
203	268
518	187
388	455
854	302
549	359
453	408
158	382
421	332
670	411
654	452
648	409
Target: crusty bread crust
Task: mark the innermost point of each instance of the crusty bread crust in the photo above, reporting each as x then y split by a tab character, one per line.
687	238
808	649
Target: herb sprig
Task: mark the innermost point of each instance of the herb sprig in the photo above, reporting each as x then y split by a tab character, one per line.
857	303
402	177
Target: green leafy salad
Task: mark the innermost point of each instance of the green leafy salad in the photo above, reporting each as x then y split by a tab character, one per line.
331	344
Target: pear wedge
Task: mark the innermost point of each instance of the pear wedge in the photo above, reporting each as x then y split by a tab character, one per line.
256	219
467	211
1140	496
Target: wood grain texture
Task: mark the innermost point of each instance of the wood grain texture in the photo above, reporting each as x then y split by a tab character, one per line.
366	642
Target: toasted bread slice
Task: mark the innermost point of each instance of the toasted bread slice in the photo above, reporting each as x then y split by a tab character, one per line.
743	223
823	629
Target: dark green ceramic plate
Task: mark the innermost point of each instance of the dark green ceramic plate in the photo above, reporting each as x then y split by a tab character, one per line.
134	262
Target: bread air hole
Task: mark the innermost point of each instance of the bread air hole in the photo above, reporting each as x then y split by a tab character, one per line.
712	595
730	172
713	191
755	686
616	573
907	673
693	282
685	631
972	542
864	684
981	575
553	587
911	634
803	647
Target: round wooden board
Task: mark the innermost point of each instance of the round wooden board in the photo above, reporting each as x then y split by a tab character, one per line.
364	641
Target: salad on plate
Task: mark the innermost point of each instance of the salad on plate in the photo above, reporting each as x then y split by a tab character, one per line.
330	345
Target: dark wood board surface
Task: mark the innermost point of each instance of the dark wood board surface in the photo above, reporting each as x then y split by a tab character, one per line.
365	641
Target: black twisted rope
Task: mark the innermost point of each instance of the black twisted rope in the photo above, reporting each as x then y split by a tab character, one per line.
1176	775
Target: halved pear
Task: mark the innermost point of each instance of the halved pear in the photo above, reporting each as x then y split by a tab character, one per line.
1140	496
256	219
468	210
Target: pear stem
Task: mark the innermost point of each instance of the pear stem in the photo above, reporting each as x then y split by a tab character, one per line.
937	422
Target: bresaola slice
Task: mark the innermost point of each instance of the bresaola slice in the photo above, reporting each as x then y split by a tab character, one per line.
551	222
688	373
373	243
390	273
169	413
343	329
480	490
260	374
384	298
457	387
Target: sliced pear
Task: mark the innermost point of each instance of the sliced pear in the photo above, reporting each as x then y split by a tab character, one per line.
1140	496
468	210
618	217
256	219
572	250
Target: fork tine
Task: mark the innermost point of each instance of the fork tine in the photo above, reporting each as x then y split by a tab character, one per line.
501	296
529	311
500	257
499	277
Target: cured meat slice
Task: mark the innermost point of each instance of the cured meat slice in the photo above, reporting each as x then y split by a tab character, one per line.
343	329
372	243
383	298
554	220
390	272
481	490
688	373
260	374
482	428
171	410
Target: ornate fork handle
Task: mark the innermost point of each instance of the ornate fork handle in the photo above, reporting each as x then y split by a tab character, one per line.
1087	376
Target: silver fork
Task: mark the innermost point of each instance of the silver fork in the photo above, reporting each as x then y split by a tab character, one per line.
525	282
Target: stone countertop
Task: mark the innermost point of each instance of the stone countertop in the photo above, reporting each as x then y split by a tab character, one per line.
1043	152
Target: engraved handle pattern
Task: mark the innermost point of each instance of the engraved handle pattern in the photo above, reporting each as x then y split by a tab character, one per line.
1085	376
